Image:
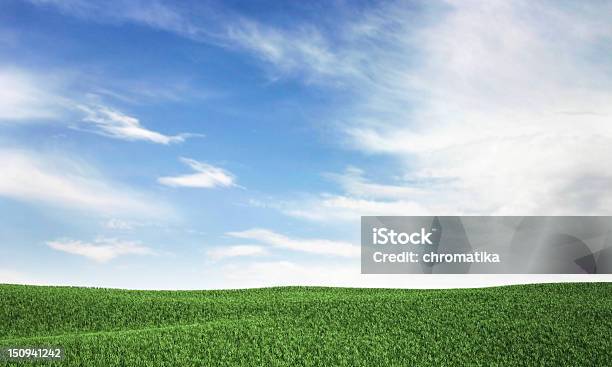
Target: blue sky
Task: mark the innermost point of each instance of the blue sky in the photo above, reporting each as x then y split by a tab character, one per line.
146	144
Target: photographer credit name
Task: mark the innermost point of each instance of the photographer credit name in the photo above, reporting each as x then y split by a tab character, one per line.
384	236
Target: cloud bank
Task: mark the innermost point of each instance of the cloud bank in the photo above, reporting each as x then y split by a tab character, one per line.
313	246
489	107
62	182
101	250
506	105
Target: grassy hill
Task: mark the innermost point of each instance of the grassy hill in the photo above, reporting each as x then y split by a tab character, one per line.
547	324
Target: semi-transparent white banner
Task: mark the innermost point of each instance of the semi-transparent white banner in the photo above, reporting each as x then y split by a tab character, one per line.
486	245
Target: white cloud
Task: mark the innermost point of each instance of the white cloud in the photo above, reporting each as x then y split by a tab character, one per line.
353	183
56	180
303	51
119	224
101	250
514	122
362	197
154	14
327	207
219	253
206	176
26	96
314	246
118	125
482	120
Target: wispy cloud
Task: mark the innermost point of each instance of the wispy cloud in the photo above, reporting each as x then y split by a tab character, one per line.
59	181
23	98
206	176
116	124
27	96
353	182
314	246
486	108
118	224
155	14
328	207
457	99
303	51
100	250
219	253
362	196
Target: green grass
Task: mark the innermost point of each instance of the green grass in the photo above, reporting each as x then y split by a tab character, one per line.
547	324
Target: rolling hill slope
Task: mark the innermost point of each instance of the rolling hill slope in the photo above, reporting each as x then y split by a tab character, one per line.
546	324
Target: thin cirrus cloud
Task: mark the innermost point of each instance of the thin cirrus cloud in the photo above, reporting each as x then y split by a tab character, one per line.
22	98
206	176
361	196
302	50
58	181
313	246
27	96
100	250
353	182
219	253
158	14
348	208
118	224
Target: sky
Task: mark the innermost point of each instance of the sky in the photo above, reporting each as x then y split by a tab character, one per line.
232	144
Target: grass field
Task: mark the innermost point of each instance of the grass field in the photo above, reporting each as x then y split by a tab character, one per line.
547	324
